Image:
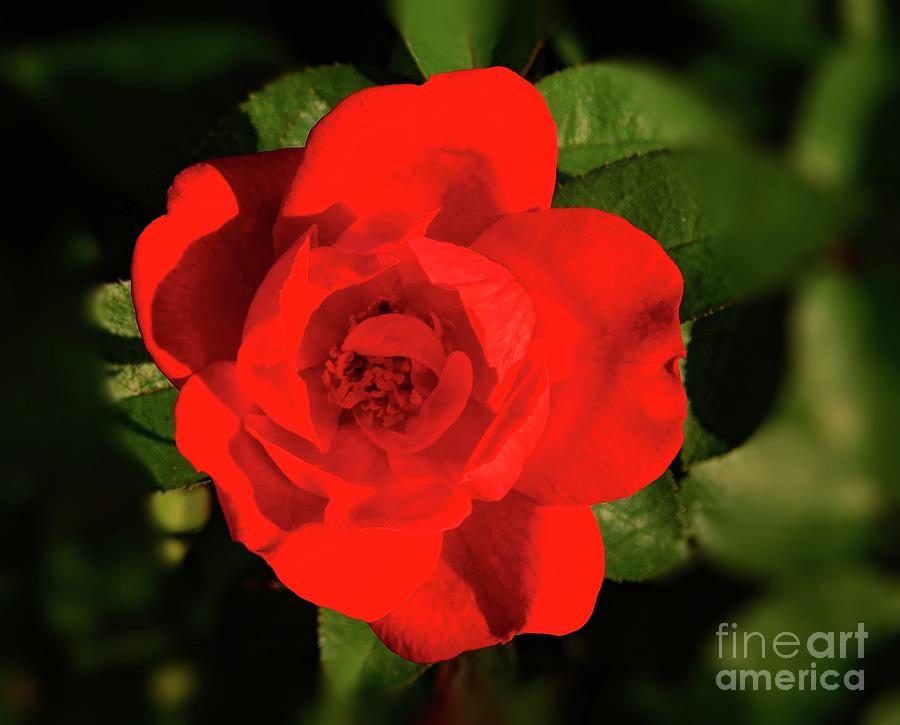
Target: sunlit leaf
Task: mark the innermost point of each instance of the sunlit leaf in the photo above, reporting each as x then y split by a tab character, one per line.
143	399
282	113
448	35
609	111
129	368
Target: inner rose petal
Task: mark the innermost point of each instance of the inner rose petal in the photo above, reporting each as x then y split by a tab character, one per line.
393	373
394	335
437	413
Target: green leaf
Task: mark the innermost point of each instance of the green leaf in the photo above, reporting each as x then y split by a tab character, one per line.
736	223
143	399
355	662
130	372
644	535
147	430
448	35
608	111
735	360
282	113
113	311
133	100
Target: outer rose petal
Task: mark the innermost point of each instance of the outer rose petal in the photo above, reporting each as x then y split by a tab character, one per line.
416	506
260	504
363	573
360	572
513	566
474	144
607	298
195	269
355	478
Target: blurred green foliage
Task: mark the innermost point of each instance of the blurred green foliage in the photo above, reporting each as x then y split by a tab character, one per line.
754	139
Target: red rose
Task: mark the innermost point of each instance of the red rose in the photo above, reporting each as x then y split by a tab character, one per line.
408	377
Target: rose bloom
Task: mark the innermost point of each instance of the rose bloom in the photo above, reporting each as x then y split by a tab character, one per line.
407	376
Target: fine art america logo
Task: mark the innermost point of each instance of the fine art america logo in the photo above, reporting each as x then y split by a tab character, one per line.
825	650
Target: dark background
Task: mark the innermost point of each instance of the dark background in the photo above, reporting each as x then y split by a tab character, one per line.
112	614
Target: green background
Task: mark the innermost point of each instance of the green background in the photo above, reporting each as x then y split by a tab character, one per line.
754	139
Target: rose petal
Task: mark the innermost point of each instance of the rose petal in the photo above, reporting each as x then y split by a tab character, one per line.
382	232
483	451
474	144
445	459
502	452
512	566
356	480
394	335
349	472
488	313
363	573
342	284
414	506
288	313
607	298
360	572
195	269
260	504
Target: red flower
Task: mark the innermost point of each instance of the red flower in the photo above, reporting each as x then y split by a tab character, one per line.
407	376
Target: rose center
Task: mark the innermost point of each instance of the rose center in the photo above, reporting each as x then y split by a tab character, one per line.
379	386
